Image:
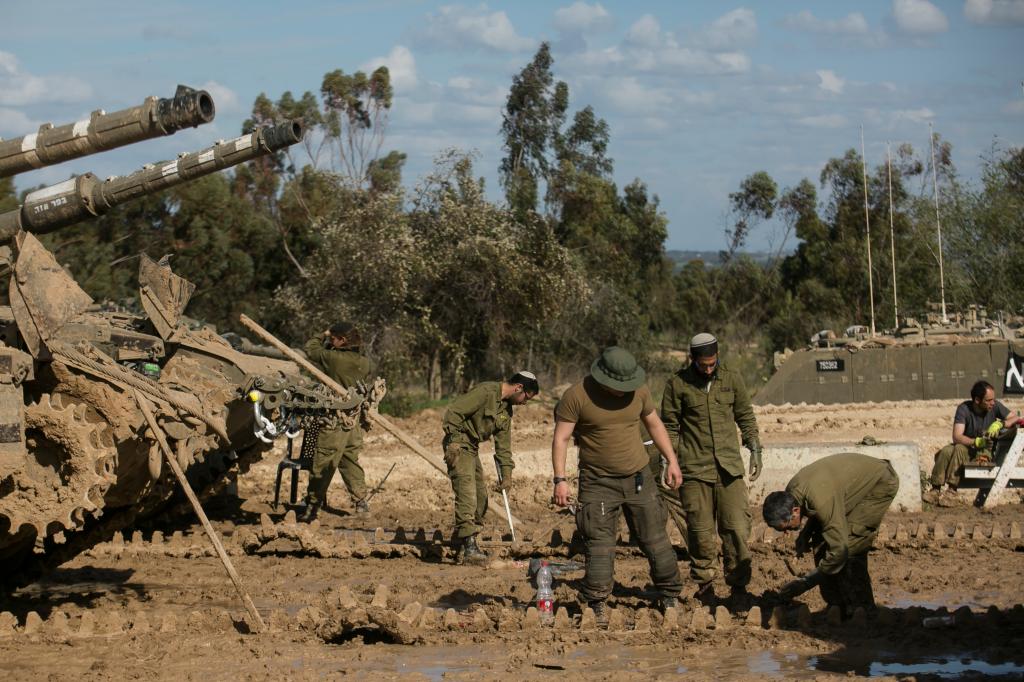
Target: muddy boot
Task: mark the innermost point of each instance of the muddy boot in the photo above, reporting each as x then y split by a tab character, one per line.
705	594
470	553
309	513
362	506
667	602
740	601
601	613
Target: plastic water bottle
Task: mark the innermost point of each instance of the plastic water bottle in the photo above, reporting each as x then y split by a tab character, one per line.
545	595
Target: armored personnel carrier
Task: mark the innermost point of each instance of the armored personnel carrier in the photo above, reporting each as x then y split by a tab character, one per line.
77	459
921	360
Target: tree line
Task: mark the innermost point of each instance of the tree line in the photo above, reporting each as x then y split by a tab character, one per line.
450	288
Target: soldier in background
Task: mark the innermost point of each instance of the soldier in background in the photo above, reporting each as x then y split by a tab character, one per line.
483	413
976	424
843	498
702	405
336	353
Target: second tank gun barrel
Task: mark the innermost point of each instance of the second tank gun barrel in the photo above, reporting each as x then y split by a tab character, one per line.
85	196
101	131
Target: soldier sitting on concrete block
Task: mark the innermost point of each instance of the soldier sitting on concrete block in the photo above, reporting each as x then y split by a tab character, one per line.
843	497
483	413
977	424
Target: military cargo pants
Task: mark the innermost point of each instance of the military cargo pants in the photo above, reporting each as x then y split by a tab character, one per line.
851	586
949	461
720	506
337	450
467	477
602	499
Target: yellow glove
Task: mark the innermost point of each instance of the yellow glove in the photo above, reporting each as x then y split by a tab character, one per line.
994	428
980	442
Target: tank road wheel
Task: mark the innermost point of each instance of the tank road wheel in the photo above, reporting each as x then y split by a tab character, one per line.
70	465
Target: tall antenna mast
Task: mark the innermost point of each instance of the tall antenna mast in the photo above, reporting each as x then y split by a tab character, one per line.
867	229
892	241
938	225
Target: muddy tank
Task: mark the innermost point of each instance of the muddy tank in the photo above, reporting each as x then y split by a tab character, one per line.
77	460
922	360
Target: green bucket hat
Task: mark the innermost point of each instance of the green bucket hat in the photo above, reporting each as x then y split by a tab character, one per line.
616	368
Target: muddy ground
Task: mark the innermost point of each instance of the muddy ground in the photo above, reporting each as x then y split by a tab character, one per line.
377	596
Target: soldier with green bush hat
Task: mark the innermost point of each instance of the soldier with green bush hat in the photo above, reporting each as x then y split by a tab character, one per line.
483	413
337	353
604	412
702	405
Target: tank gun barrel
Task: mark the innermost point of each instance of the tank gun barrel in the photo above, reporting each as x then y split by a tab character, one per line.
156	116
85	196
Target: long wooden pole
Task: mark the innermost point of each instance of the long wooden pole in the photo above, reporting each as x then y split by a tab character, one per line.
892	242
377	418
172	461
938	224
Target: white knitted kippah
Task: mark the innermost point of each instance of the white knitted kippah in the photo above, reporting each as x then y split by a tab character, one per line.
527	375
703	339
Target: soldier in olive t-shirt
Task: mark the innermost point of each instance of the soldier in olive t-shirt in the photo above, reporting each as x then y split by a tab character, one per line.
604	412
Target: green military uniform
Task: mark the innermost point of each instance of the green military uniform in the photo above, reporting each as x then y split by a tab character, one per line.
614	478
337	448
471	419
844	498
701	417
670	499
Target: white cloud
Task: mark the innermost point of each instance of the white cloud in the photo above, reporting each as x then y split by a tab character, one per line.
994	11
456	27
224	98
630	96
18	88
922	115
852	24
919	17
736	28
460	83
830	82
645	31
1014	108
401	66
579	17
824	121
14	123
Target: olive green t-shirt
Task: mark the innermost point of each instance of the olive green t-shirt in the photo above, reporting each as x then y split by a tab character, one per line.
607	426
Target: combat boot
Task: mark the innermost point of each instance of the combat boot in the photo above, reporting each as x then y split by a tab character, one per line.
470	552
309	513
740	601
705	594
601	614
667	602
362	506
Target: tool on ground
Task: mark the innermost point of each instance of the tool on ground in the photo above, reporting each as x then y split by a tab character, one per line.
504	497
380	486
172	461
557	567
377	418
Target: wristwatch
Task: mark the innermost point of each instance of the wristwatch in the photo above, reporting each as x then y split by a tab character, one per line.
559	479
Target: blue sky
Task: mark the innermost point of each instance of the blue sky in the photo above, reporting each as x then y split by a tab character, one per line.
698	95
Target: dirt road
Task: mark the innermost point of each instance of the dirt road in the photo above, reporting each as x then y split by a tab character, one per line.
376	596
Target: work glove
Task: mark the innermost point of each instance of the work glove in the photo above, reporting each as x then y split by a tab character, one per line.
505	482
755	461
994	428
980	443
795	588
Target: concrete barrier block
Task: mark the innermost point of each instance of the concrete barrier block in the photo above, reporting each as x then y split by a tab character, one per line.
137	538
411	612
803	617
57	623
532	619
939	532
33	623
450	619
978	533
884	532
380	597
642	621
901	533
117	541
289	517
616	620
959	533
562	620
698	619
754	617
723	619
788	459
588	621
481	622
87	625
429	619
378	535
508	620
997	531
670	619
8	623
1014	530
922	531
777	618
400	538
